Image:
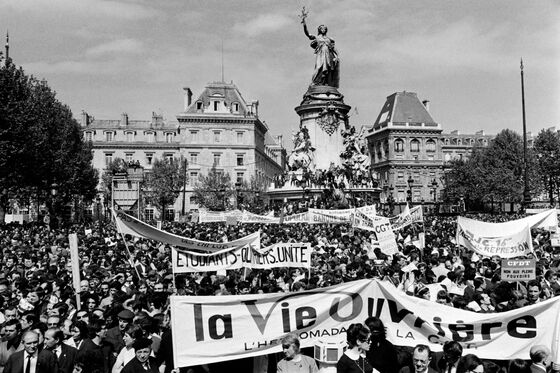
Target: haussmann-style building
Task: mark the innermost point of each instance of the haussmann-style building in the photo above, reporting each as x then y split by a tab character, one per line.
219	128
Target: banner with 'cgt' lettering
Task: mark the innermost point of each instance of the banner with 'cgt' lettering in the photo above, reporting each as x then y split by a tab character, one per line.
209	329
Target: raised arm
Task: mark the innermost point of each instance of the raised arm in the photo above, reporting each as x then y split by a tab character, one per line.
311	37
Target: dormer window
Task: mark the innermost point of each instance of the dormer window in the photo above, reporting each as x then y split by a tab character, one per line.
199	105
88	136
150	136
109	136
169	137
235	107
215	105
130	136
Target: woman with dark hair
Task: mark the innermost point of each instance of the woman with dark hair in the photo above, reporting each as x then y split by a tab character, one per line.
381	354
354	358
80	332
519	366
470	364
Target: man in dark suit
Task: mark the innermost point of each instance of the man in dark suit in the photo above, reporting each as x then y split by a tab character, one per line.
30	359
142	362
66	355
447	361
540	360
421	357
115	335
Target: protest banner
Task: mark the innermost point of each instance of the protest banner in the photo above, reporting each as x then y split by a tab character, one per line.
545	220
75	261
274	256
407	217
555	239
518	269
318	216
127	224
295	218
504	246
249	217
381	227
209	329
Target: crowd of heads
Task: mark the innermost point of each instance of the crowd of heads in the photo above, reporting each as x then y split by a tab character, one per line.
121	274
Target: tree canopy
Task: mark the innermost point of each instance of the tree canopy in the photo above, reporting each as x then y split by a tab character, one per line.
41	144
494	173
165	182
214	191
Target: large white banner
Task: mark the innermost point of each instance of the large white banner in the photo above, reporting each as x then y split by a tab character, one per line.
209	329
544	220
127	224
504	246
382	228
274	256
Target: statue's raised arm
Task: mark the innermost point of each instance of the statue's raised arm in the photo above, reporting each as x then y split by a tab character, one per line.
326	57
303	16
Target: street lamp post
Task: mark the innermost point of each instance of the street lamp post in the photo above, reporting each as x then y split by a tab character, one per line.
410	182
54	192
391	200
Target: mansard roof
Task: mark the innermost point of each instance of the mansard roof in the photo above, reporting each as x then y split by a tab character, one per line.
404	107
228	93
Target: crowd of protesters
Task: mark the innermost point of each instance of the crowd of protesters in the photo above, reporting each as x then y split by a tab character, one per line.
121	323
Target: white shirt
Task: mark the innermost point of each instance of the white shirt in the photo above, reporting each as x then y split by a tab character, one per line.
33	362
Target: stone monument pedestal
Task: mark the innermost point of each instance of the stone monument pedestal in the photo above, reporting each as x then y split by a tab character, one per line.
324	114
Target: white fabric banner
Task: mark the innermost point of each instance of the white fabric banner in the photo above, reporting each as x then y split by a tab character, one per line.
407	217
504	246
249	217
205	216
209	329
295	218
382	228
543	220
277	255
127	224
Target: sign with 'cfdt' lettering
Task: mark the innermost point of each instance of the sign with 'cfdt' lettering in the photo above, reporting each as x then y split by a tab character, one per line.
518	269
209	329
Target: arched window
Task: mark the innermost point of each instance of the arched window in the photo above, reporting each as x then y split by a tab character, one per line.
414	146
430	146
399	146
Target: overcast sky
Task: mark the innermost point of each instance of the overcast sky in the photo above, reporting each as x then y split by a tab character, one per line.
135	56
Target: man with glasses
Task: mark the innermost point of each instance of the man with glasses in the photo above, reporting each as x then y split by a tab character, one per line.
421	357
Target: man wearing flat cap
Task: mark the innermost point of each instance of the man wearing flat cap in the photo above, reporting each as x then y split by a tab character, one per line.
142	361
115	334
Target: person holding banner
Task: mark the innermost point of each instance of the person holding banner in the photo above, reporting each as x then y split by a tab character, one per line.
294	361
354	358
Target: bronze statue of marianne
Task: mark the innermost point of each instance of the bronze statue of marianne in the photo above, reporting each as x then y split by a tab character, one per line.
326	57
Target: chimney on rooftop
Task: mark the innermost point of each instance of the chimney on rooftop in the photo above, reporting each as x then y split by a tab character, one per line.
426	105
279	140
124	119
187	98
85	119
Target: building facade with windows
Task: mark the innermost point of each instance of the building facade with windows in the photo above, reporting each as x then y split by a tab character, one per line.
218	129
409	151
